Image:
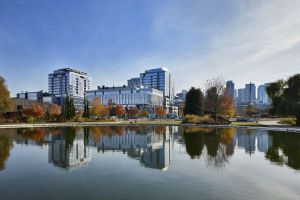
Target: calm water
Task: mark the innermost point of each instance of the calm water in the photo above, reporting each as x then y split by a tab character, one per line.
148	163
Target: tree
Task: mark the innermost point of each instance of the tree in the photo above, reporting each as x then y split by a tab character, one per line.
160	111
5	100
111	108
212	101
38	111
119	110
133	112
96	106
226	105
194	103
69	108
285	97
86	109
144	113
54	110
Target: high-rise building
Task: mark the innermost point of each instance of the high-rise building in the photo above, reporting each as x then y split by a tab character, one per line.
69	82
159	78
133	82
250	93
240	96
262	95
230	89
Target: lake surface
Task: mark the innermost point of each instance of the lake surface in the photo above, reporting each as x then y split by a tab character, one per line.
148	162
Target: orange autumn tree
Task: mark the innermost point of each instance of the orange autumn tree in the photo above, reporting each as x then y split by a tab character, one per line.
119	111
133	112
226	105
54	110
160	111
96	107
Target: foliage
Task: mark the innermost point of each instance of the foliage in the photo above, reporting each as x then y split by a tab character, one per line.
195	119
133	112
285	97
160	111
144	113
69	108
218	83
194	103
86	109
5	147
35	112
212	101
289	121
5	100
226	105
119	111
54	110
96	106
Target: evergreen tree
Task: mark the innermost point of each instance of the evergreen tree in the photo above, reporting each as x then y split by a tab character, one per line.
194	103
86	109
69	108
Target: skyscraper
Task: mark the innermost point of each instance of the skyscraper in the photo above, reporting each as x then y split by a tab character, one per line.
69	82
262	94
250	93
230	89
241	96
159	78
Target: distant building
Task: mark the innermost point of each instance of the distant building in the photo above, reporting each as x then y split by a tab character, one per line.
69	82
241	95
128	97
160	79
262	95
39	96
134	82
250	93
230	89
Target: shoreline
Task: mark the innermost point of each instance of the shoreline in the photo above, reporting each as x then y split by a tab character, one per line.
154	123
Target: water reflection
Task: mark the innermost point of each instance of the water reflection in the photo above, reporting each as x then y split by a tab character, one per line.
153	146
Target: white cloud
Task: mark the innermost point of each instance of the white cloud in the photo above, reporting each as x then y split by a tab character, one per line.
260	43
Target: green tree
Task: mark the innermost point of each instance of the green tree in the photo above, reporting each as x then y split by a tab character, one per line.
5	100
69	108
86	109
285	97
194	103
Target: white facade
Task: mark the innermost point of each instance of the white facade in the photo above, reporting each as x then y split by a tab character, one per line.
68	82
262	94
127	96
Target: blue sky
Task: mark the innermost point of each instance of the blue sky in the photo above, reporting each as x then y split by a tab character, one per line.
113	40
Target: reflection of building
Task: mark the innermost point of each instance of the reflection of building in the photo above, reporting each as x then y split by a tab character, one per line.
264	141
152	149
65	155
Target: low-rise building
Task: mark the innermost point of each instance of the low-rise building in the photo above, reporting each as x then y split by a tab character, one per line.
128	96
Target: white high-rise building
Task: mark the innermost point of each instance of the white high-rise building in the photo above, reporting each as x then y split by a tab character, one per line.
159	78
263	97
69	82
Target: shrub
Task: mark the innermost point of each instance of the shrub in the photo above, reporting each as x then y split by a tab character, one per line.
290	121
31	119
194	119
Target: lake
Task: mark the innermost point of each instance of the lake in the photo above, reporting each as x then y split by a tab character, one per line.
148	162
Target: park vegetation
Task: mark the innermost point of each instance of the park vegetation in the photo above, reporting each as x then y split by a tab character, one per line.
215	107
285	95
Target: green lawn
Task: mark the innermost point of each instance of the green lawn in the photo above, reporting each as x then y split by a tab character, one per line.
245	124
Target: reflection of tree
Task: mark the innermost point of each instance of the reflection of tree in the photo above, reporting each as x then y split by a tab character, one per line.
219	144
36	134
194	143
119	130
285	149
160	129
70	133
5	147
